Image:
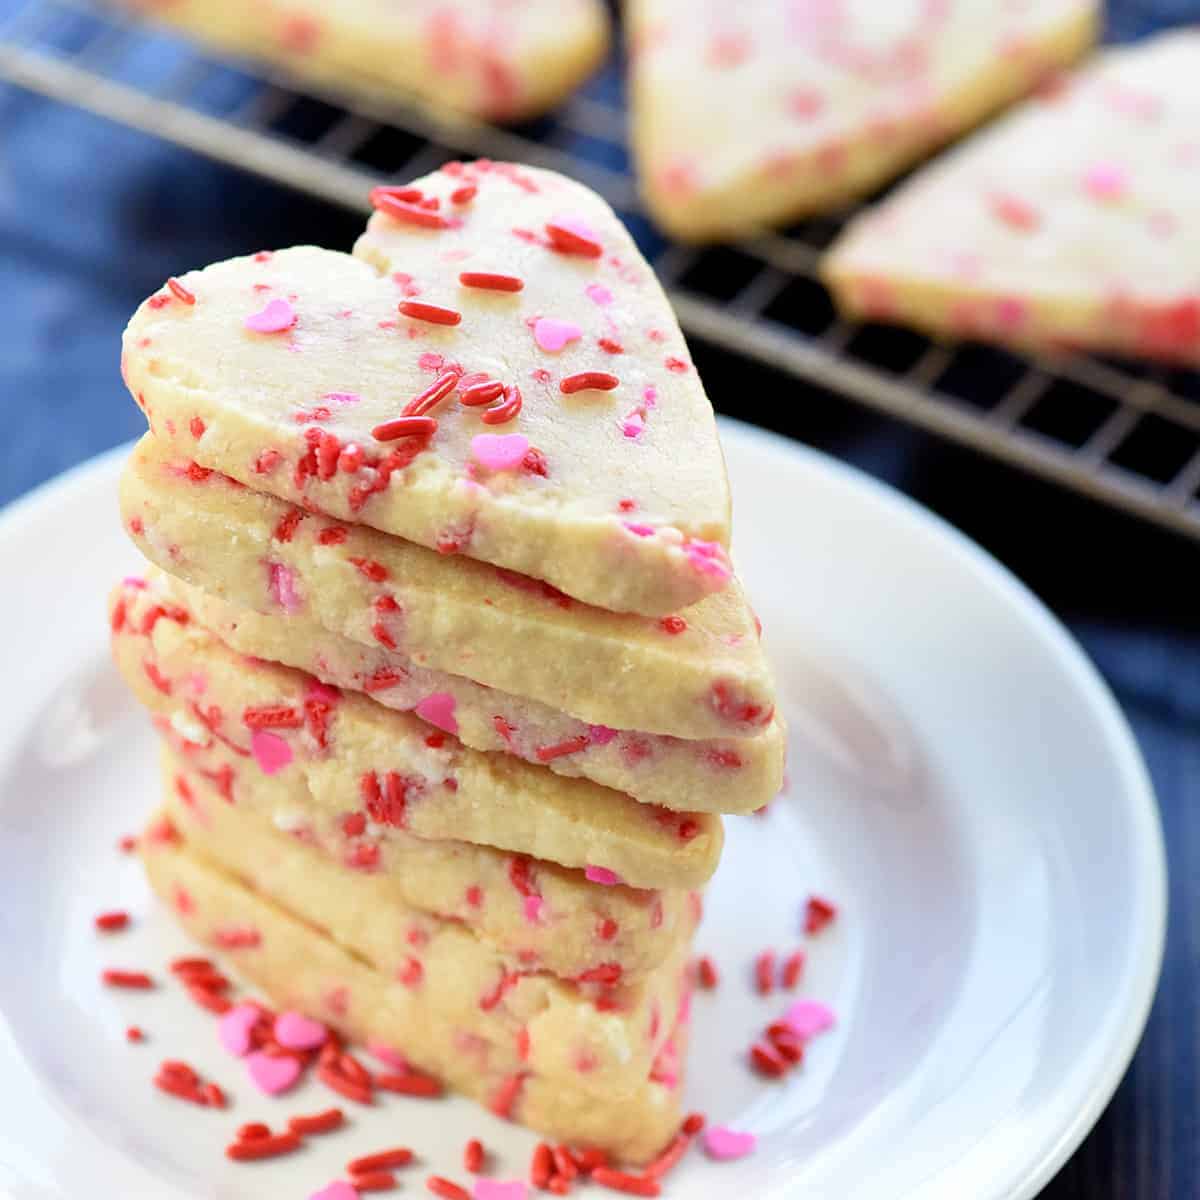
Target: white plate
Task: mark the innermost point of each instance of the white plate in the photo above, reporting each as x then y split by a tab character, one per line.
962	784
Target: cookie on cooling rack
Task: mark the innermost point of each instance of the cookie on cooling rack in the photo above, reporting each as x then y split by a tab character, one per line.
1070	224
486	58
758	113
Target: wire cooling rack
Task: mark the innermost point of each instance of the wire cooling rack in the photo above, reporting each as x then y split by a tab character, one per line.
1117	432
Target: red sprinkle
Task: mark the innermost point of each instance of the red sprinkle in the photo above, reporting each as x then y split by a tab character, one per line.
112	921
180	292
126	979
670	1157
411	1083
818	913
418	310
506	410
335	535
766	1061
541	1166
793	966
631	1185
399	1156
268	1147
410	195
254	1130
706	971
567	241
693	1124
322	1122
196	426
273	716
134	1034
673	625
333	1078
505	1096
464	194
600	381
444	1188
373	1181
401	427
127	843
374	571
473	1156
286	528
491	282
403	210
764	972
568	1168
482	393
573	745
437	391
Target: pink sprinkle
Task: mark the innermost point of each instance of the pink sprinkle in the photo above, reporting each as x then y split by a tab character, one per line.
708	558
273	1074
634	425
271	752
499	451
597	293
281	583
386	1054
294	1031
233	1029
431	362
807	1018
342	397
724	1143
1011	312
1105	181
602	875
277	317
438	709
533	909
134	581
577	225
339	1189
321	691
552	334
494	1189
650	395
601	735
639	530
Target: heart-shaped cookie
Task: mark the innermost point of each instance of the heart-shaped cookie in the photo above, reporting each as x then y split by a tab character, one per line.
371	387
1071	223
757	113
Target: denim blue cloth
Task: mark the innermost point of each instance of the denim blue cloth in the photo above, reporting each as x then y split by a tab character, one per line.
94	217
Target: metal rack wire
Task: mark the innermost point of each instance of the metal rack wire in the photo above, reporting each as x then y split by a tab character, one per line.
1120	433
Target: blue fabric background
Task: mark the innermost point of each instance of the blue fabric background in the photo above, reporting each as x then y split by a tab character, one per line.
93	218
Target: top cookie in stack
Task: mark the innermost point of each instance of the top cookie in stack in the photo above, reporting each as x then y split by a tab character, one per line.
395	515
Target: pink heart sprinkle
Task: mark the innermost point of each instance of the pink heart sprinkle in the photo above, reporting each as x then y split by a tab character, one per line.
499	451
278	316
233	1029
438	709
602	875
708	558
1105	181
552	334
273	1075
597	293
270	751
533	909
494	1189
339	1189
294	1031
577	225
724	1143
639	530
281	584
807	1018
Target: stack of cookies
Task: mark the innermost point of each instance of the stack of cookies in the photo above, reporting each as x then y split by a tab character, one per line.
452	672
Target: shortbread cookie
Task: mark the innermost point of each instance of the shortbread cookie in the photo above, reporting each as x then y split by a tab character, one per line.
726	775
499	377
757	113
357	757
302	968
1072	223
542	916
465	977
700	673
487	58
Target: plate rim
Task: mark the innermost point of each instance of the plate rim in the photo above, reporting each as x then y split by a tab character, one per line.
1147	847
